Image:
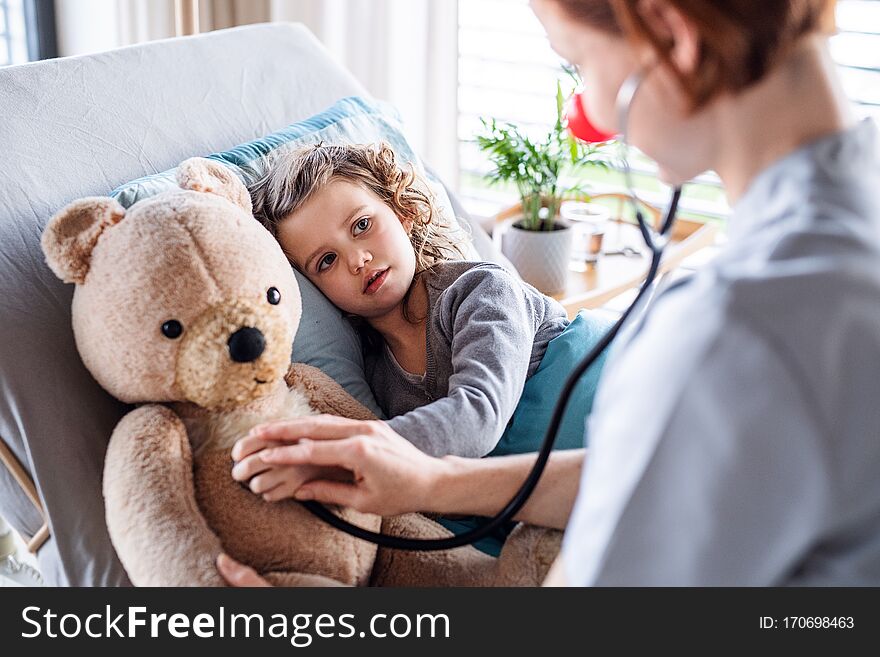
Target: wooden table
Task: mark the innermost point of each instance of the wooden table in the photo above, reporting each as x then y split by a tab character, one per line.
592	285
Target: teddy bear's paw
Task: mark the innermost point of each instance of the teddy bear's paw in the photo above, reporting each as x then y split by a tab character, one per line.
527	556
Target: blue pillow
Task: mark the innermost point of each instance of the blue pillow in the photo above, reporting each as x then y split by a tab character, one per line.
526	429
325	338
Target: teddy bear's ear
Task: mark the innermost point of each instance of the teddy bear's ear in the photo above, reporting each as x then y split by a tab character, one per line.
202	175
72	233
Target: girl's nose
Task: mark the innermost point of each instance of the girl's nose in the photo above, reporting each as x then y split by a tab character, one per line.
359	259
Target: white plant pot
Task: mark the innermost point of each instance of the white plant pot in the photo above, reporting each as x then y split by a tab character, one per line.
540	257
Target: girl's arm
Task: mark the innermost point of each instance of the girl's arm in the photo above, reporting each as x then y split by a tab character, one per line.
390	476
490	322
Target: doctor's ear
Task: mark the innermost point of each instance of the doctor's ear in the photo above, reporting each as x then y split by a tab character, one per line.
678	36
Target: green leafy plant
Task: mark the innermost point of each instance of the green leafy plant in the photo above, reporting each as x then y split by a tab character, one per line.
535	166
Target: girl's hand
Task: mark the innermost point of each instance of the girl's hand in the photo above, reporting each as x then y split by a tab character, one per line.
272	482
387	474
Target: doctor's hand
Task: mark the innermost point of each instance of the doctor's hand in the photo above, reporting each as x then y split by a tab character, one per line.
387	475
275	482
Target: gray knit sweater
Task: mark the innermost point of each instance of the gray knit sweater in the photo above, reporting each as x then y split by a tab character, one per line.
486	334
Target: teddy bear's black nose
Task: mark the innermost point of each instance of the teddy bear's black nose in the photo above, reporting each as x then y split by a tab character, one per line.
246	344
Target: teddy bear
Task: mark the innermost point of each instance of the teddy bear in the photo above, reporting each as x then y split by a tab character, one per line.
186	307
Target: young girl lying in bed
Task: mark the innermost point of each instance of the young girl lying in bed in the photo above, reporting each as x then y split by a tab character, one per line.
464	358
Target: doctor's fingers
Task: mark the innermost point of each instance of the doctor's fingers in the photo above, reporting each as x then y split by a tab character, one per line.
293	475
318	427
246	446
351	495
283	491
367	495
348	453
250	444
250	466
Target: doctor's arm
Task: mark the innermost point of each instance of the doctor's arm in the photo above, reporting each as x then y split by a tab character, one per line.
383	464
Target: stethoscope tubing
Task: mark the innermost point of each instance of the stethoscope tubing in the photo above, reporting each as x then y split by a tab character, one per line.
656	241
522	495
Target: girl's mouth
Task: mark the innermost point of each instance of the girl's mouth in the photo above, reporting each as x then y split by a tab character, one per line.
376	282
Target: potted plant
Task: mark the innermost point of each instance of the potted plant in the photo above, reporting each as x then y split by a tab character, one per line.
537	241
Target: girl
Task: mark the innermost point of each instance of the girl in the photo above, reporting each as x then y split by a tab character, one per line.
449	345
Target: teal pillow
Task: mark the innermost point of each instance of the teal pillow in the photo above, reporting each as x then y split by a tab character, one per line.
526	429
325	338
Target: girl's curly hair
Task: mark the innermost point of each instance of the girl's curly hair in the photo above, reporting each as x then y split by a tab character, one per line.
285	181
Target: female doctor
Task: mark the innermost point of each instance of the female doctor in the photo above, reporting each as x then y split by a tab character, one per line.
735	437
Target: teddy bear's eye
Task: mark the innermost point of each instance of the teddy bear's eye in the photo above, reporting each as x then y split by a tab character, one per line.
273	296
172	329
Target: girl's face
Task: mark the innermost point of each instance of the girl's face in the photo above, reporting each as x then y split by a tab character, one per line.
659	121
353	247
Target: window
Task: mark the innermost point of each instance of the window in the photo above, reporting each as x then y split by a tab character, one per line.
507	70
27	31
856	50
13	42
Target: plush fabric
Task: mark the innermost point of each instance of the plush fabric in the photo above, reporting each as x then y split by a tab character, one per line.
186	306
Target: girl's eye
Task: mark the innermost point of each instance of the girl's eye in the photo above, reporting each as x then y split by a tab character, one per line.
361	225
326	261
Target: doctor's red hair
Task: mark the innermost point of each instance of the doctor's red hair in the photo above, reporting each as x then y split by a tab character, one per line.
741	40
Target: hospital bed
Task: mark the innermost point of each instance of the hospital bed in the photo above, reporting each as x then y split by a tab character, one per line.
82	126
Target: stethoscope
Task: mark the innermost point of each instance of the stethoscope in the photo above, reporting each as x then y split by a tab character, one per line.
656	241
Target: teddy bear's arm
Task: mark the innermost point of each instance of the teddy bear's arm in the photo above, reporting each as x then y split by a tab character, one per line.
324	394
464	566
155	525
